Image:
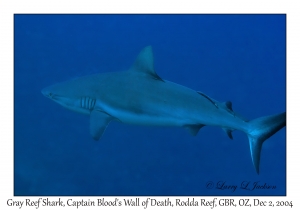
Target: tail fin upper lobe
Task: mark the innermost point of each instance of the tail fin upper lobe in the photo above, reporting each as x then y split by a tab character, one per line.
261	129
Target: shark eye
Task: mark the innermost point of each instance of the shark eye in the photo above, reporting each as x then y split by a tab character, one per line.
50	94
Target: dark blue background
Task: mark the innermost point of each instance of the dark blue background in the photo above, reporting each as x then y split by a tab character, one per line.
241	58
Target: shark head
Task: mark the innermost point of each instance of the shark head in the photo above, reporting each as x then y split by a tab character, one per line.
84	93
71	95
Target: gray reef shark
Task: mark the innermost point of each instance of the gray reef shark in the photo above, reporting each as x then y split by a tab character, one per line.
139	96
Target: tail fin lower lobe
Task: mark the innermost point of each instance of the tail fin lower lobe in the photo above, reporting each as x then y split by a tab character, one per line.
261	129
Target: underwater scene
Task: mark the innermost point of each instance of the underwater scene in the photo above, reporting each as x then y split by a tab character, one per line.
237	63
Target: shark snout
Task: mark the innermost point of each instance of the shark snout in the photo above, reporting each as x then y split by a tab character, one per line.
47	93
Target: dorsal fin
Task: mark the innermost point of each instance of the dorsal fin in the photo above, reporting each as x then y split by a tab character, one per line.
228	104
144	63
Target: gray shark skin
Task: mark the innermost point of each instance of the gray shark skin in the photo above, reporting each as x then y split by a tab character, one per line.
139	96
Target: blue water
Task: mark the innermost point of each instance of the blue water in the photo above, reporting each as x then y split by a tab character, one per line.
241	58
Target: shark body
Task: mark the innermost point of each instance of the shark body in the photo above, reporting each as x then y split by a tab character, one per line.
139	96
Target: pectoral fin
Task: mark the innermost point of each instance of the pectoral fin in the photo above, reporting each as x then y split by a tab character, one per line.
98	122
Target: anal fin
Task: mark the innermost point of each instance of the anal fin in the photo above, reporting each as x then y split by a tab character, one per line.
228	132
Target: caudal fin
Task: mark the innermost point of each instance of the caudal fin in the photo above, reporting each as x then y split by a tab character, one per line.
261	129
